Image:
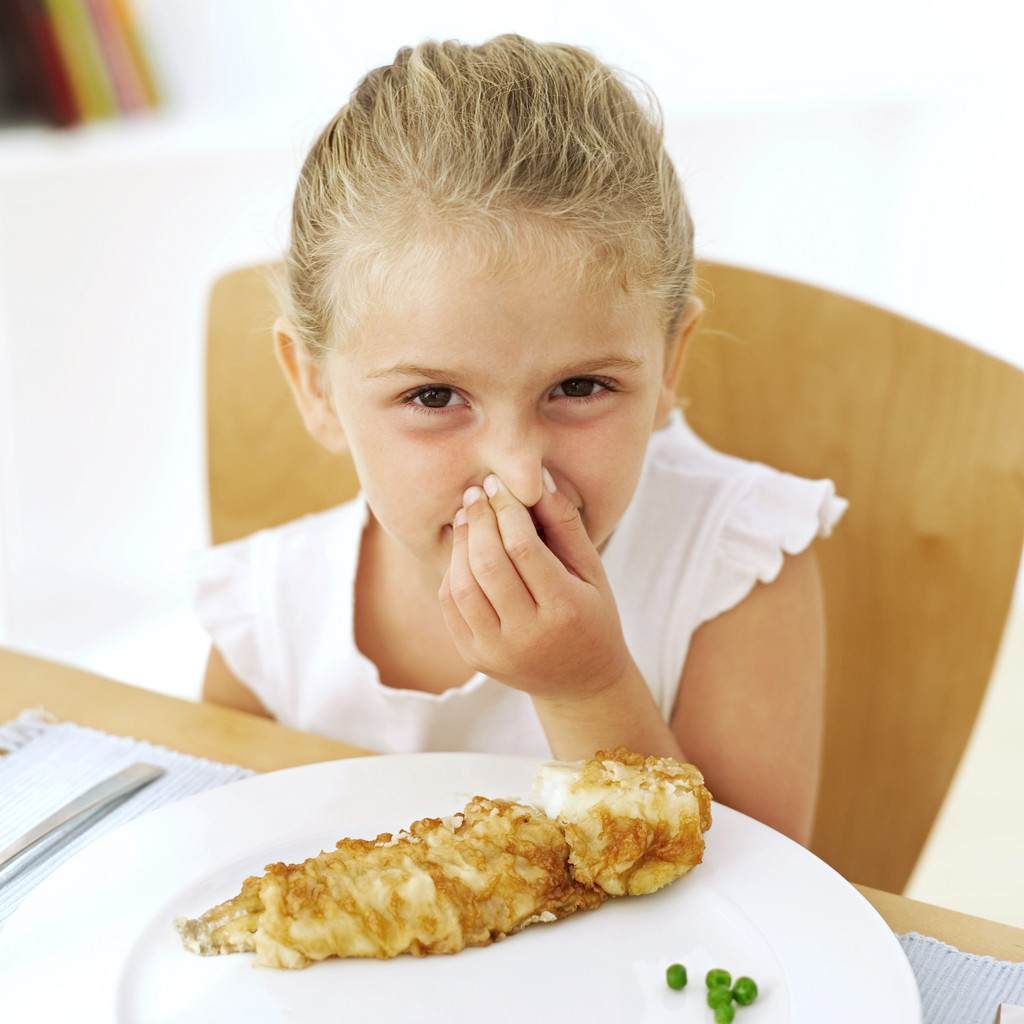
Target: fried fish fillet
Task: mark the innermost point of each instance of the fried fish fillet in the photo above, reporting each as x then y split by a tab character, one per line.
633	824
618	824
439	887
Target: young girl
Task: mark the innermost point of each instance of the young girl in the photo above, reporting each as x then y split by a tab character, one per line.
489	293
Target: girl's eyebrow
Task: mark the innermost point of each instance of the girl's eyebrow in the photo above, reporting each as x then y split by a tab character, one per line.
601	364
406	370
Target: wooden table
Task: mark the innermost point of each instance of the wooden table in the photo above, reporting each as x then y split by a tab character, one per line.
233	737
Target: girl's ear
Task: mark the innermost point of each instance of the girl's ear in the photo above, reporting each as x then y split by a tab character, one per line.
305	377
675	359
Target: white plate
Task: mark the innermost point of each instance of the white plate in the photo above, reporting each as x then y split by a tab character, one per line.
95	941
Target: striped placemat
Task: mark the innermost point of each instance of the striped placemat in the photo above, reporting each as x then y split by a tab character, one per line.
960	988
45	763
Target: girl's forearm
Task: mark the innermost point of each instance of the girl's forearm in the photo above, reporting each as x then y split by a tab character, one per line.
622	714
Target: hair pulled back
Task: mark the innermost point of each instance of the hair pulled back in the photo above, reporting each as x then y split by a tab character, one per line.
511	146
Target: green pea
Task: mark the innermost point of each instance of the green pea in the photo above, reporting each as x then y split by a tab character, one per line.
675	976
716	977
725	1013
719	995
744	991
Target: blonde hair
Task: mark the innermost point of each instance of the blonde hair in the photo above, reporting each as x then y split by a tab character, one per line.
511	146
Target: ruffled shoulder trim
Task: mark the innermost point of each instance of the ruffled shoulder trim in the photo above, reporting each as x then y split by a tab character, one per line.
224	599
245	591
775	514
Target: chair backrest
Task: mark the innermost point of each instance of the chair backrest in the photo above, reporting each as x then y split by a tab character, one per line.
263	469
922	433
925	436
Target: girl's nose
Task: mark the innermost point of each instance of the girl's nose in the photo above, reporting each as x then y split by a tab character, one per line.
519	462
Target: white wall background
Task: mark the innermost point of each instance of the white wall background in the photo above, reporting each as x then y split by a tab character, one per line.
873	147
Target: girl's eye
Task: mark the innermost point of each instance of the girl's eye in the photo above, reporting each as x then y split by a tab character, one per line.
436	397
581	387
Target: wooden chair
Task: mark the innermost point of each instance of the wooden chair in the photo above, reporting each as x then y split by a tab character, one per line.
263	468
923	434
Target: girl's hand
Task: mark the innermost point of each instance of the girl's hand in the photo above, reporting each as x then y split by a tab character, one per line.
530	605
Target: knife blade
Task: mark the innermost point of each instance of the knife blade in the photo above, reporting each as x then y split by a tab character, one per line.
93	802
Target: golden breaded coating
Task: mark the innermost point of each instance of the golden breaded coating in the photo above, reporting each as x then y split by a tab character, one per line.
633	823
439	887
615	825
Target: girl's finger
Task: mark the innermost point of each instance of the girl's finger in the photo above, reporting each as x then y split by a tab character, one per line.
457	625
461	595
566	536
493	566
541	568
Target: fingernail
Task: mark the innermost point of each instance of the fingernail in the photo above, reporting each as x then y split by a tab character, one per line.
460	517
491	485
549	481
472	494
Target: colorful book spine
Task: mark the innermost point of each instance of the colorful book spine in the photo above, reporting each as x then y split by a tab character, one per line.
127	88
63	99
68	61
83	58
125	17
42	81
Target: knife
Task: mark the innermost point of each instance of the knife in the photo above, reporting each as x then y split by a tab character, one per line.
93	802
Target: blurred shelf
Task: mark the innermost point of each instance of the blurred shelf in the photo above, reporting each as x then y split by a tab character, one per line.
158	135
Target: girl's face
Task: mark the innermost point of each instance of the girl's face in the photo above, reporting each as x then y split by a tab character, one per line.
462	374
